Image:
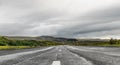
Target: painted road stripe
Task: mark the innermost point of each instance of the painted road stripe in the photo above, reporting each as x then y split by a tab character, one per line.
56	63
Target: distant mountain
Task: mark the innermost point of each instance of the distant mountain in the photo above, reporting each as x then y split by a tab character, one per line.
57	39
47	38
21	38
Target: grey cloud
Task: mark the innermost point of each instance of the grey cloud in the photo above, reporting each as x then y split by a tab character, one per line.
31	19
101	16
99	28
97	21
25	21
14	28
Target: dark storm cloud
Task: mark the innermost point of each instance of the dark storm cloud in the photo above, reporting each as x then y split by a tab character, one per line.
102	16
97	21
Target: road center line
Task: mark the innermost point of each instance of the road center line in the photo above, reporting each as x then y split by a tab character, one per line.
56	63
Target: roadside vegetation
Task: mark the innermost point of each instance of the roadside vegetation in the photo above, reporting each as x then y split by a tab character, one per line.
111	42
6	43
20	44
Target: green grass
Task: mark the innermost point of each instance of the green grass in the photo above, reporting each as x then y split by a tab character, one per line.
106	45
13	47
116	45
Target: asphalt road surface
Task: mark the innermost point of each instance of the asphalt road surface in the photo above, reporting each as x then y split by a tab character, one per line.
62	55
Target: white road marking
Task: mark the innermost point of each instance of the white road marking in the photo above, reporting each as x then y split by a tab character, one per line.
56	63
113	54
97	48
13	56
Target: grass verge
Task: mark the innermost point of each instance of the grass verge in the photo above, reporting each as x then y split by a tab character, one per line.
114	45
13	47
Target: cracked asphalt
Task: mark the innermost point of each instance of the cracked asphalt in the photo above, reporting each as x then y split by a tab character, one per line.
67	55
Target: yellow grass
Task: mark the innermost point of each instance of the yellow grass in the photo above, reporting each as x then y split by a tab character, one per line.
13	47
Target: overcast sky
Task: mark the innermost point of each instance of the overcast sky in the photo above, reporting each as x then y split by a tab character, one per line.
62	18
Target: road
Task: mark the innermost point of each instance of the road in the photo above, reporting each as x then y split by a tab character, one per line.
62	55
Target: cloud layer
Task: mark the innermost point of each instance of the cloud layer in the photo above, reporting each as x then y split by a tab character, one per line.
63	18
